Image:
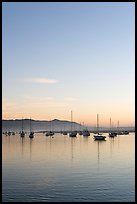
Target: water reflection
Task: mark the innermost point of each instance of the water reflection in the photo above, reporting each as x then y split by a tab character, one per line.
111	145
98	155
50	146
99	143
49	169
31	141
22	141
72	149
118	141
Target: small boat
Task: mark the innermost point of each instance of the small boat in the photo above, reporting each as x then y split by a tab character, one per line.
22	133
9	133
31	135
80	132
120	133
72	133
64	133
86	133
6	133
118	130
126	132
49	133
99	136
111	133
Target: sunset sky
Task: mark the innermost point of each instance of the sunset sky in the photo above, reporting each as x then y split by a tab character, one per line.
58	57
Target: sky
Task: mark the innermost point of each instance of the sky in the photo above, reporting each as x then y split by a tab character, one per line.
63	57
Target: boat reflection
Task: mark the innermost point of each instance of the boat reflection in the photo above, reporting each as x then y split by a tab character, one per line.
99	143
22	145
31	141
72	149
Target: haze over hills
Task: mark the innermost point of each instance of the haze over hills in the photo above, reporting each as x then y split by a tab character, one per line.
44	125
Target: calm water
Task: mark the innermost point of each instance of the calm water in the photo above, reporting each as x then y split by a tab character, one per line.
68	169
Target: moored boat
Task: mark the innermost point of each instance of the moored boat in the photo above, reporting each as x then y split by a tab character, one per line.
99	136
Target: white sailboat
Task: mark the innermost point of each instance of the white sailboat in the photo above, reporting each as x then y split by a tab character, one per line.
99	136
31	135
72	133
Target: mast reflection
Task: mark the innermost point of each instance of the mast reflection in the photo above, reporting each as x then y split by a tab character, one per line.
72	149
22	145
31	141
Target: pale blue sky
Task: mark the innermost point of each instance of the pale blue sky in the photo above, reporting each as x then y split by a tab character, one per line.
87	49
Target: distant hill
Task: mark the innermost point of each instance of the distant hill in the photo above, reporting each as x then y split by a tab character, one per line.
37	125
54	125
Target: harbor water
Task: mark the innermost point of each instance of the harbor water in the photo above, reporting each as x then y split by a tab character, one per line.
63	169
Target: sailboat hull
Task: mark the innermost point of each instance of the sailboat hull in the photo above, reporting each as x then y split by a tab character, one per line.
99	137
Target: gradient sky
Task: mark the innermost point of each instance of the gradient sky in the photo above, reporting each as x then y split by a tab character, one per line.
58	57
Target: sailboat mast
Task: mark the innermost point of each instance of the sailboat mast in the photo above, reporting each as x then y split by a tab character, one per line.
110	124
50	124
30	124
118	124
22	124
97	122
71	121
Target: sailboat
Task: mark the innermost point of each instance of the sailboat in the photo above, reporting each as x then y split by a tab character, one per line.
22	133
64	131
99	136
50	133
13	133
80	132
119	132
9	133
112	134
85	132
72	133
31	135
